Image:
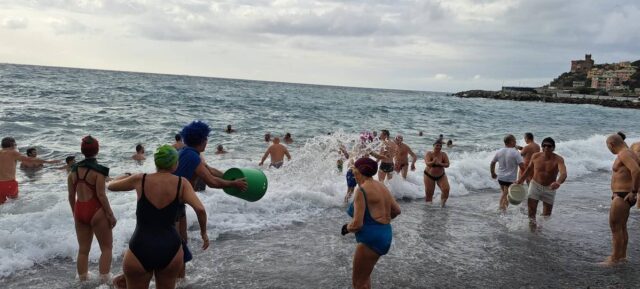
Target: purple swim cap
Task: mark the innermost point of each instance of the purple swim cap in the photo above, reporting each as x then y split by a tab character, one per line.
367	167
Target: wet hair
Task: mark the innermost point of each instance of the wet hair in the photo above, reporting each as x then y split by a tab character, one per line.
178	137
8	142
548	140
30	151
449	142
366	166
622	135
437	142
139	147
195	133
287	135
69	159
528	135
509	138
385	132
220	148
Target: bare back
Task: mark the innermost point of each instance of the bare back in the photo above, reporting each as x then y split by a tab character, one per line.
379	201
8	162
84	191
621	179
546	168
277	152
160	189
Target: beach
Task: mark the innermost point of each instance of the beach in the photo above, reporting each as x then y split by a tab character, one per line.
291	238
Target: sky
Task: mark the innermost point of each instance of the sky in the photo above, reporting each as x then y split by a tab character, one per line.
434	45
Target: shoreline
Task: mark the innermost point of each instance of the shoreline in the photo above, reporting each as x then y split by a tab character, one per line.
535	97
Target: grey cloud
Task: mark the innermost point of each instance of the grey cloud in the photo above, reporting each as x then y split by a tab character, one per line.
67	26
15	23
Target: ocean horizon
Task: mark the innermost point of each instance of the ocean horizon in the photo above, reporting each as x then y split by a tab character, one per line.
291	238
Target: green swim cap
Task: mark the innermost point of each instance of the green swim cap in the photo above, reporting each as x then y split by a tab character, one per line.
165	157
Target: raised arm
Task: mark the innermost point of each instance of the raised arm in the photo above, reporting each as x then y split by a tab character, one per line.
189	197
126	183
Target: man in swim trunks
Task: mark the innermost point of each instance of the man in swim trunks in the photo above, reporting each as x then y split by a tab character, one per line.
139	155
527	151
636	148
625	181
401	158
191	166
549	172
508	160
9	156
277	152
385	156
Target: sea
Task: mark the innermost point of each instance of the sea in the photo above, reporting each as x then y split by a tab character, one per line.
291	237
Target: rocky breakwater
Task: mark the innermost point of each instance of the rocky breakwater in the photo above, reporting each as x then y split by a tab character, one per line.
532	96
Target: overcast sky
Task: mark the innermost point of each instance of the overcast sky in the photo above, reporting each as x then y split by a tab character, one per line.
437	45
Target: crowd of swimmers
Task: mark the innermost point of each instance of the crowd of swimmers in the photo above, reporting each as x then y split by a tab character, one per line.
159	248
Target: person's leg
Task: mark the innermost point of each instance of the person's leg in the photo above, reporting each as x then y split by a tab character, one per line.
533	210
503	197
349	193
546	209
364	260
103	233
182	229
443	184
618	215
429	188
405	169
166	278
85	237
134	272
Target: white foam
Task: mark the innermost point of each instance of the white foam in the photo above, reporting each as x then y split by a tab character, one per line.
38	226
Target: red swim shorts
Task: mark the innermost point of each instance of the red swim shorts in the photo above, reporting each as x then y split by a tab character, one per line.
8	189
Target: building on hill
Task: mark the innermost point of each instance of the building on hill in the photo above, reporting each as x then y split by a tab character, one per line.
613	77
582	66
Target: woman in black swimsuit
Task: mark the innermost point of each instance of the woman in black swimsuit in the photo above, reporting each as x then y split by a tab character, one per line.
436	162
155	247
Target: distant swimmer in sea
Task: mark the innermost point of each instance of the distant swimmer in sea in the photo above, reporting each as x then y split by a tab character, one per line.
436	161
450	143
69	162
372	209
527	152
548	173
155	248
91	210
191	167
178	144
229	129
508	160
401	159
277	152
139	155
288	139
385	156
220	150
420	133
9	156
32	163
625	182
267	137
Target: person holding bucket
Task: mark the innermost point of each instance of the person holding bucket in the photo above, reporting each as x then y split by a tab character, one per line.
155	249
190	166
508	160
372	209
549	172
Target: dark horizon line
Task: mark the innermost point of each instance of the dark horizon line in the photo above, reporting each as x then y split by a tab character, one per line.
225	78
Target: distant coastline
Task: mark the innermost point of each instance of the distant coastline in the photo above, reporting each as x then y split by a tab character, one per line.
609	101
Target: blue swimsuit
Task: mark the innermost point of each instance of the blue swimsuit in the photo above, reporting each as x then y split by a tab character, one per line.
373	234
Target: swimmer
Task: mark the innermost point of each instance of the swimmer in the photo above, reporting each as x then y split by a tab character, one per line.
385	156
527	152
401	159
508	160
277	152
220	150
436	161
288	139
139	155
178	144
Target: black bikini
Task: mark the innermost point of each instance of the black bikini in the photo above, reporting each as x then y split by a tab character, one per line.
435	179
155	241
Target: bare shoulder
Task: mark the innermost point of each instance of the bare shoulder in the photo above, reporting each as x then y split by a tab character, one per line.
559	158
537	155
